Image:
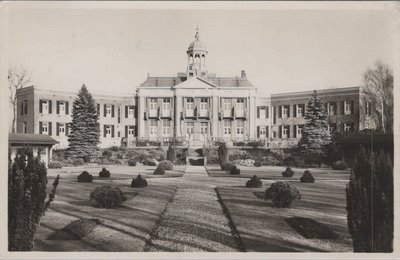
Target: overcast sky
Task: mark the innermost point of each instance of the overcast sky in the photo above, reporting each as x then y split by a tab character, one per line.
281	50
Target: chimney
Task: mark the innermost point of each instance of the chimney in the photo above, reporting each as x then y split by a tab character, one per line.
243	74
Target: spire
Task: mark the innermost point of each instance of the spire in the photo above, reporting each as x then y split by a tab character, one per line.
197	36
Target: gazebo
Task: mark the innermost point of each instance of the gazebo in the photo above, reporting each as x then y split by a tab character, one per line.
41	145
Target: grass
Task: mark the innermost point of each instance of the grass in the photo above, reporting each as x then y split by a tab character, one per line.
263	228
310	228
124	228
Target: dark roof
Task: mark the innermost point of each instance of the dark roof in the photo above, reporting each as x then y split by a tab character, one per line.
173	81
30	139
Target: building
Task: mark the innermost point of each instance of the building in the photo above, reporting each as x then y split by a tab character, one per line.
195	107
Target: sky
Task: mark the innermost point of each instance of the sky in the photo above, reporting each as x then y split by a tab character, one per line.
113	50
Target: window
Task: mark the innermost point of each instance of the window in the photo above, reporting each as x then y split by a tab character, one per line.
332	127
45	128
331	109
299	111
284	111
240	127
299	131
166	104
347	107
284	132
347	127
153	127
274	134
227	107
108	111
61	129
24	107
131	112
227	127
61	108
108	131
263	112
240	107
24	127
166	127
203	128
368	108
189	107
189	128
131	130
45	106
263	131
153	103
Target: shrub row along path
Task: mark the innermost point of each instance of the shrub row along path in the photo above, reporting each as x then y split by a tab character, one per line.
194	219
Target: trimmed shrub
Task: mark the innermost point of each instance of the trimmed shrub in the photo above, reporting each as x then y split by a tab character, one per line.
282	194
254	182
159	171
107	154
107	196
171	154
288	172
369	197
149	162
223	154
307	177
227	166
139	182
339	165
27	179
85	177
234	171
166	165
55	165
78	162
104	173
132	162
257	164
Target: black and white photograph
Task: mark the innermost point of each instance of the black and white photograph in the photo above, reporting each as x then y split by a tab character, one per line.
147	128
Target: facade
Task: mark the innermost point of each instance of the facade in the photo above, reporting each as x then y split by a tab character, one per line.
195	107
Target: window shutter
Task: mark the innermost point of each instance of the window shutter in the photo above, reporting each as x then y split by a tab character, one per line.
22	108
294	110
105	110
135	111
50	128
58	107
342	107
126	131
352	107
112	110
288	111
267	131
258	112
112	131
279	111
66	107
40	127
26	108
267	112
104	130
40	106
66	129
258	131
57	129
280	131
50	106
295	131
126	111
288	131
98	109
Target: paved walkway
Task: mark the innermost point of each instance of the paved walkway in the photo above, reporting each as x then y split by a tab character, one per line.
193	220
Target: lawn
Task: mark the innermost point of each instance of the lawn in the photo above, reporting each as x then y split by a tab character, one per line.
263	228
125	228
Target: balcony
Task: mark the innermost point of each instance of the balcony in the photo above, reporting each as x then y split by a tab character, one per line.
204	114
153	113
240	113
189	113
166	113
229	113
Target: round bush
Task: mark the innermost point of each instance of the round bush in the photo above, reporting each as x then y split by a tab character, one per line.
257	164
307	177
139	182
288	172
159	171
235	171
104	173
339	165
282	194
107	154
132	162
107	196
78	162
55	165
85	177
227	166
254	182
149	162
166	165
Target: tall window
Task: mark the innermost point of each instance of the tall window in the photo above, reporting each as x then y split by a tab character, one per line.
227	127
153	103
263	131
299	111
203	106
299	131
24	127
166	103
45	128
119	115
331	109
347	127
107	129
263	112
131	112
284	111
108	111
227	107
153	127
347	107
166	127
240	107
189	128
189	106
24	107
204	128
240	127
45	106
61	107
131	131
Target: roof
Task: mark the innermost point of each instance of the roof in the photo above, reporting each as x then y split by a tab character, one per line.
197	45
31	139
173	81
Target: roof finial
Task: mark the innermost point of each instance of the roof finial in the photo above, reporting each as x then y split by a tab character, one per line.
197	36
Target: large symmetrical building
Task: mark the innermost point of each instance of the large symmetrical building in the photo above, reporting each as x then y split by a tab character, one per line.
195	107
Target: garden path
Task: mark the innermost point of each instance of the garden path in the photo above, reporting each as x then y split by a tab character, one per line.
193	220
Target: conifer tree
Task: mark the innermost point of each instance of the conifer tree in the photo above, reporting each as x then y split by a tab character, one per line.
85	130
316	137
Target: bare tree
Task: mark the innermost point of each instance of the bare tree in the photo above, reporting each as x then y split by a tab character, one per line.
378	91
18	77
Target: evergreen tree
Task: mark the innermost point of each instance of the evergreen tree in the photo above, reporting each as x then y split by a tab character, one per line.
85	130
316	137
